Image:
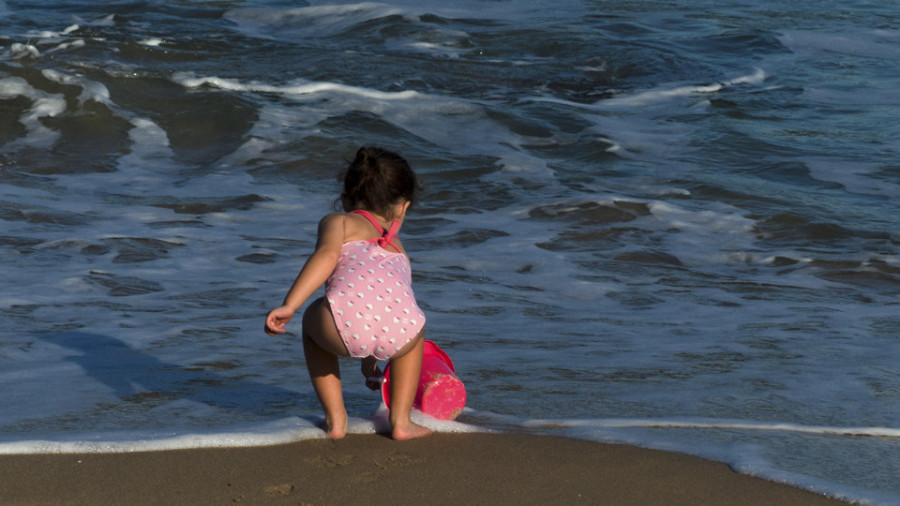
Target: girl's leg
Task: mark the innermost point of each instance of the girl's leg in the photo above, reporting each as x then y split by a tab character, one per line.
322	346
406	367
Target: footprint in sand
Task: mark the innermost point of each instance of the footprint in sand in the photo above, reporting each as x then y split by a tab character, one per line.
397	460
283	489
332	461
365	478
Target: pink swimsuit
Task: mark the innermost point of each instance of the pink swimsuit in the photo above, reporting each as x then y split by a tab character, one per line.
371	297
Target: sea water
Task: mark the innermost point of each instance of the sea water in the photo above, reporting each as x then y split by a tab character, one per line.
670	224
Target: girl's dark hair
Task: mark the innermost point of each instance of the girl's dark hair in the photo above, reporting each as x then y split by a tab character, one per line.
376	180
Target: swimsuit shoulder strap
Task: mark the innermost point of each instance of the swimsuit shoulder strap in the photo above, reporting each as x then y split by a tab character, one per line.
387	238
368	216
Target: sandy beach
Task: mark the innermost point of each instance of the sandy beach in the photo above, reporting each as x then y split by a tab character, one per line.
372	469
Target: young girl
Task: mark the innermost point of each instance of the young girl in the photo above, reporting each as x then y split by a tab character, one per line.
369	310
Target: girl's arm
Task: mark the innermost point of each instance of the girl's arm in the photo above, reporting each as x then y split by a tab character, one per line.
315	272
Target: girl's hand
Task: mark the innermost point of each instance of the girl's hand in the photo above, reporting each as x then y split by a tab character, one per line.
277	319
373	374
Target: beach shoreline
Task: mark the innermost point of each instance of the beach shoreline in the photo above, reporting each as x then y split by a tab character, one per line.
478	468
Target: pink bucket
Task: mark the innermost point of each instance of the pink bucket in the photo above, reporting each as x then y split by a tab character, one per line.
440	394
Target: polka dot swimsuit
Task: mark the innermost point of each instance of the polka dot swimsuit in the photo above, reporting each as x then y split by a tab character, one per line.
371	297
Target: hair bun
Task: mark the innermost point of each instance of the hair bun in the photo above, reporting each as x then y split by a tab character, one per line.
376	180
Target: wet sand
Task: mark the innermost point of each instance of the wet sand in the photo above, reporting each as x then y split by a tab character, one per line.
449	469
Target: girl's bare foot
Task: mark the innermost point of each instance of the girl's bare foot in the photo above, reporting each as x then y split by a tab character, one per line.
401	432
336	427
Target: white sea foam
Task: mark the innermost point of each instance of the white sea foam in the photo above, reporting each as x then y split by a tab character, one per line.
276	432
43	36
149	139
76	44
636	138
718	235
299	89
286	430
448	43
91	90
426	116
43	105
885	432
152	42
146	168
629	123
651	97
663	94
18	51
